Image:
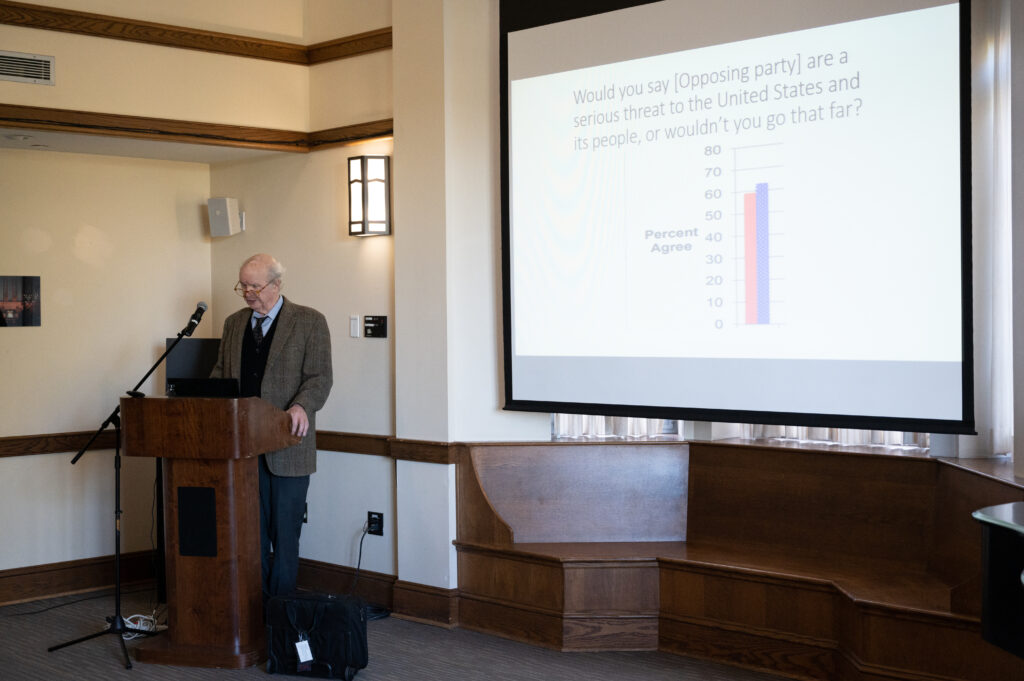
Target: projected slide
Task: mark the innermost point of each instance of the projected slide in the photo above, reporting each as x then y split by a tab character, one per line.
719	187
792	198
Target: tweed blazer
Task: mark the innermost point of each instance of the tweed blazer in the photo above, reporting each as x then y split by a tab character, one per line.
298	372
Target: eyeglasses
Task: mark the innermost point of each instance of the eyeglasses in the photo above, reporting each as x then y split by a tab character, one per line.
242	289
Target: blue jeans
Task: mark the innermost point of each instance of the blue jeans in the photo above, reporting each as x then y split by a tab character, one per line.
282	506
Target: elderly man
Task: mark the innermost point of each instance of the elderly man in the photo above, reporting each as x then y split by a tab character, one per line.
281	352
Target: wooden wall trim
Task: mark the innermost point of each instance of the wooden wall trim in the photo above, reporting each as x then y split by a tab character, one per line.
166	35
330	441
352	443
373	587
73	576
424	451
426	603
53	443
349	46
143	127
192	132
337	137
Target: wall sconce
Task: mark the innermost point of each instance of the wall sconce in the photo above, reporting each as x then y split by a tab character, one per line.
369	196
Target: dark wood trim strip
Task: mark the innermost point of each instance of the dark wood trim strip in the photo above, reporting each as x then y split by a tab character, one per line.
73	576
331	441
373	587
170	130
336	137
118	28
349	46
55	443
141	127
166	35
352	443
424	451
426	603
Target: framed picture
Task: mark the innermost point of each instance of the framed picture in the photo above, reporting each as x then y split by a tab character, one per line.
19	301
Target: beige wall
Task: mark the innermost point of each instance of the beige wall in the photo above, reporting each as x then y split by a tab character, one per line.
120	247
122	255
348	91
437	279
330	19
116	76
295	208
268	19
135	79
295	21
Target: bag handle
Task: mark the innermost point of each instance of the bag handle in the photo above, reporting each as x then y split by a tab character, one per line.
292	616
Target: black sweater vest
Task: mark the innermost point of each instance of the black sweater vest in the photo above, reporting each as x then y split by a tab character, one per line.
254	362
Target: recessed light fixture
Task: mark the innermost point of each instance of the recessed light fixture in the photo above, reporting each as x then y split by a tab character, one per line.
19	138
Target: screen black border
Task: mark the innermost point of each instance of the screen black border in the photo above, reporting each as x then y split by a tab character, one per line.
517	15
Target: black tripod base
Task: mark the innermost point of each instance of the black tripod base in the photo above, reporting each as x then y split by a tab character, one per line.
117	627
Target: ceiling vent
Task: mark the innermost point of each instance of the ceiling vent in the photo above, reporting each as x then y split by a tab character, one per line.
26	68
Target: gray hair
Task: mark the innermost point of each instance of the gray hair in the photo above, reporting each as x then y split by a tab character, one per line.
274	268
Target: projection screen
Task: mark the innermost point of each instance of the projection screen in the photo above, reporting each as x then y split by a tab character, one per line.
743	211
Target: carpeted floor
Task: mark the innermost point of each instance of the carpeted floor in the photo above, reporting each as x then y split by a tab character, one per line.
400	650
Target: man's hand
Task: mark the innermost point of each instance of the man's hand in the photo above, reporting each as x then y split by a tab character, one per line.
300	422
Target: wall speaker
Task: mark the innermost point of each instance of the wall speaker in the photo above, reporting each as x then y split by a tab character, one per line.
225	219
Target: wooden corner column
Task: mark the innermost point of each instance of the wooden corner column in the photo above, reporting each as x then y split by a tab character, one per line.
209	448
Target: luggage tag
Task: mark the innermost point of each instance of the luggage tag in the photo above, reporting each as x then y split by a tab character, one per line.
305	654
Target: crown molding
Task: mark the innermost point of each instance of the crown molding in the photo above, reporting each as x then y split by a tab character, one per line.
166	35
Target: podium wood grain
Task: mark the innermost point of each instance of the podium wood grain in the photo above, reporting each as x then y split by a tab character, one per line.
215	604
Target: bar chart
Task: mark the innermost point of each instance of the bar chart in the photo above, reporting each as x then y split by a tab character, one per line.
757	177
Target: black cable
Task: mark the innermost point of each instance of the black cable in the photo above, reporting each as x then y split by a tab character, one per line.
359	559
373	612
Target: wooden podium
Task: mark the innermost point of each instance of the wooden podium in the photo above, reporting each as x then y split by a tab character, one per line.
209	448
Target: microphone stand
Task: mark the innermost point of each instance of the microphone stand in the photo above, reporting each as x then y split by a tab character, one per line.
117	624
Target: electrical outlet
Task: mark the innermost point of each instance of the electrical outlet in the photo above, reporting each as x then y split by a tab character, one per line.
375	523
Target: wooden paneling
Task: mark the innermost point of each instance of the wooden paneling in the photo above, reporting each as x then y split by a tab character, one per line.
955	552
54	579
426	603
475	518
628	493
373	587
892	643
509	577
539	628
843	504
813	564
620	632
760	650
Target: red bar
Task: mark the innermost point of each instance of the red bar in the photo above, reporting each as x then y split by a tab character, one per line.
750	255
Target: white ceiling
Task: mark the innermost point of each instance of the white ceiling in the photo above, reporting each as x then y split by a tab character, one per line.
78	143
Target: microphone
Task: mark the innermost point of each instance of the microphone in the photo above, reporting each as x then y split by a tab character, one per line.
194	321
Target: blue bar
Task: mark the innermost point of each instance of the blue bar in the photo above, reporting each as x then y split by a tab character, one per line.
761	190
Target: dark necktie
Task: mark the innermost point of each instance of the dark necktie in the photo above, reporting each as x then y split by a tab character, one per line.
257	331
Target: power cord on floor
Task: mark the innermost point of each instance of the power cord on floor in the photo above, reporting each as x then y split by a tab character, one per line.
146	623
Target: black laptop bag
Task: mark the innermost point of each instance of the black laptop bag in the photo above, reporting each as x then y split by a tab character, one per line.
316	635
